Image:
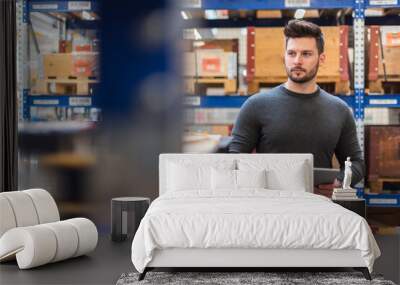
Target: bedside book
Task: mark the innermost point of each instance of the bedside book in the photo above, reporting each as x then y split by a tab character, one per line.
344	194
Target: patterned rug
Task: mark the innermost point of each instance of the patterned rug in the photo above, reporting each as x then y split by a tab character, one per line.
242	278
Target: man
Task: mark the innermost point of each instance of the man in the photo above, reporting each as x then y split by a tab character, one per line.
298	116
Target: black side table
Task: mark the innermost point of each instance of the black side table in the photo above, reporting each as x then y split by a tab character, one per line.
356	205
126	214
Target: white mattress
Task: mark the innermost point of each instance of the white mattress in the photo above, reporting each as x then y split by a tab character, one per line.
250	218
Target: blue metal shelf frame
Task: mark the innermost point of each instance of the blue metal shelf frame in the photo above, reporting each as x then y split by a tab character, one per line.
26	107
62	6
235	101
270	5
375	4
283	4
382	200
83	24
215	101
86	101
390	101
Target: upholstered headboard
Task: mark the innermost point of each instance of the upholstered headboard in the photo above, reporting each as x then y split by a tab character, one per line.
285	159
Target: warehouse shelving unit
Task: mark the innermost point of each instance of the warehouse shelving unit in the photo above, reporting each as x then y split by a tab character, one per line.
25	99
358	102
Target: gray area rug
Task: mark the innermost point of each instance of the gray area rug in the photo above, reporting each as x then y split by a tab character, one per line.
228	278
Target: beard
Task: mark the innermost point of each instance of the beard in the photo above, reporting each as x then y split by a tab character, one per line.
307	76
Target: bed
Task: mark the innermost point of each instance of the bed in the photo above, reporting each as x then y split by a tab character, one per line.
247	210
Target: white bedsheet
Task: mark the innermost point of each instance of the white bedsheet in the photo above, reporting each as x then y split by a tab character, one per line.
250	219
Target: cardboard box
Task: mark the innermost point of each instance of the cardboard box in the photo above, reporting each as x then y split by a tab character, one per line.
65	65
210	63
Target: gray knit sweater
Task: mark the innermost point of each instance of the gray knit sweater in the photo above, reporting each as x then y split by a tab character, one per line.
282	121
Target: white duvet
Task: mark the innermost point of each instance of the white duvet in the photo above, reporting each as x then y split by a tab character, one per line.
250	219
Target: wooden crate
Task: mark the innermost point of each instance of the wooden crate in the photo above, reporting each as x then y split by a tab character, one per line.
71	85
198	85
378	185
65	65
265	58
384	56
231	45
382	150
269	14
228	45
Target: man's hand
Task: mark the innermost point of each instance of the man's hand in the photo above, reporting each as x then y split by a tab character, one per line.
327	189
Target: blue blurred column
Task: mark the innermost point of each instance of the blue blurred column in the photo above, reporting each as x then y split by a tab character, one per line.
140	96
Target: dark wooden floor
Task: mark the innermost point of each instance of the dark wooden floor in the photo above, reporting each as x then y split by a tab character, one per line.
103	266
106	264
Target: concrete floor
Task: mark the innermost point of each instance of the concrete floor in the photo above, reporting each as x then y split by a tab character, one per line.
103	266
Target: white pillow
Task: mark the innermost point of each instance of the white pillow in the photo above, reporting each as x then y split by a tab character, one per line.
281	174
223	179
226	179
189	174
189	177
251	178
291	180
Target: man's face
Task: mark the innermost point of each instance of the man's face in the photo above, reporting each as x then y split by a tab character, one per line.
302	59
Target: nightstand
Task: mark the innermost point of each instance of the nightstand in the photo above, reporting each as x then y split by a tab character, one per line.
126	214
356	205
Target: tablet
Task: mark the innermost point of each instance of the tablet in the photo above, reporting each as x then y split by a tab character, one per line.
325	175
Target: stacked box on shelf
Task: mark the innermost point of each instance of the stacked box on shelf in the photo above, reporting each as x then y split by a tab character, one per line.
265	63
384	55
269	14
223	130
276	14
382	116
211	116
66	73
383	157
210	64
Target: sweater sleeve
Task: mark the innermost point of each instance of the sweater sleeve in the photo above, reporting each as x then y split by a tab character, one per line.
245	132
348	146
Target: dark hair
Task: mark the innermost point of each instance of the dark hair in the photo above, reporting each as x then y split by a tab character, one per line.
301	28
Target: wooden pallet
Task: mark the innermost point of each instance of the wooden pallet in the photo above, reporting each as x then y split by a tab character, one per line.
67	85
199	85
376	186
390	85
383	67
331	85
265	63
